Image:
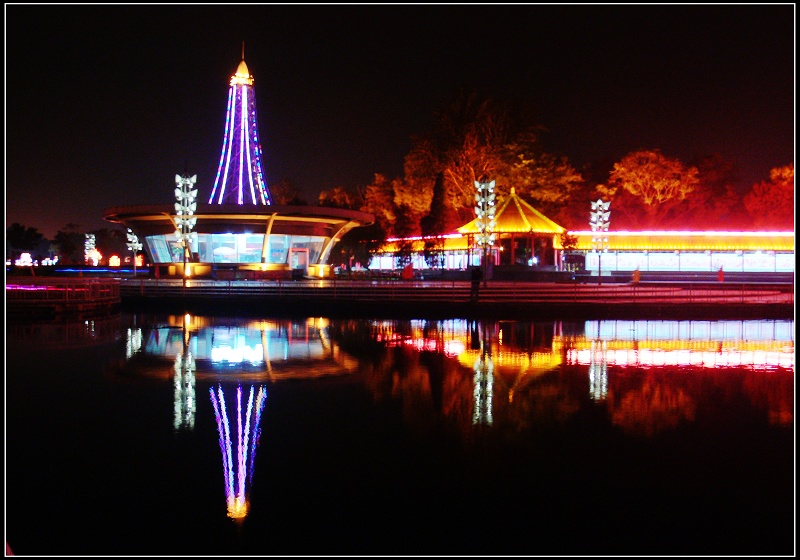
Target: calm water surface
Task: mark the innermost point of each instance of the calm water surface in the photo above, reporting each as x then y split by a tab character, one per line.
172	435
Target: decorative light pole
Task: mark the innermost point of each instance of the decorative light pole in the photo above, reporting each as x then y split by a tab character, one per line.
184	219
484	210
599	218
90	249
135	246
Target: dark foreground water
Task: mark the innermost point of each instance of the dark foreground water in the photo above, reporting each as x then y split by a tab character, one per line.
172	435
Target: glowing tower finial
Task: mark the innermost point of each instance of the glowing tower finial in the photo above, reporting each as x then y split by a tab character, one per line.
240	176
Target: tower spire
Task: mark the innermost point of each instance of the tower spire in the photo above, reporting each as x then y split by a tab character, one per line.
240	176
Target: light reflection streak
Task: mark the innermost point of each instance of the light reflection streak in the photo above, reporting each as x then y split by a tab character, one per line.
133	342
759	344
184	385
598	371
655	357
483	391
483	384
248	433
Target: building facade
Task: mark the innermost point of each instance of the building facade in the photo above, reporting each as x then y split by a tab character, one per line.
525	238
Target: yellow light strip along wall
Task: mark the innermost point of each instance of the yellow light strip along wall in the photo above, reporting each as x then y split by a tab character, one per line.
689	241
648	241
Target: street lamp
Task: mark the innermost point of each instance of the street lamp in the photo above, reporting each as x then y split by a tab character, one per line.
90	249
599	219
485	210
135	246
185	220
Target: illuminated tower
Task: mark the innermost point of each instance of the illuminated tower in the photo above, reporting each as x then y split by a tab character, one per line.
240	176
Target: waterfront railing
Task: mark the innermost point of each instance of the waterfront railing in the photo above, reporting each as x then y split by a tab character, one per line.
505	292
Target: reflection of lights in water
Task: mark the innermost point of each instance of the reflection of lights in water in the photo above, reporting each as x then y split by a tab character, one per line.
777	330
133	342
184	381
598	371
246	442
454	347
758	345
450	348
654	357
239	353
482	391
448	340
277	350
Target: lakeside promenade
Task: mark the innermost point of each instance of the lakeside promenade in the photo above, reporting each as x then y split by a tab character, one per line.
439	298
32	298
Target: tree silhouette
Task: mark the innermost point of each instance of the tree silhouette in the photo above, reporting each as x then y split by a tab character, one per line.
23	239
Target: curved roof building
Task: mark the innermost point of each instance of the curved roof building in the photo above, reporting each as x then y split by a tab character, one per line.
239	233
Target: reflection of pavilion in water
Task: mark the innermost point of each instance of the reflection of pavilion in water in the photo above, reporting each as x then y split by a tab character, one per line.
524	349
507	356
267	350
504	356
234	349
756	345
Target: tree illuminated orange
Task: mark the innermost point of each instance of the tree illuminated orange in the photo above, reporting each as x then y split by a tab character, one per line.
654	184
771	203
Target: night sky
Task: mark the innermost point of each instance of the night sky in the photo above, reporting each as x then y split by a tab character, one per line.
105	104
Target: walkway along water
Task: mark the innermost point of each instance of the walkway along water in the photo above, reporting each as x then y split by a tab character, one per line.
428	298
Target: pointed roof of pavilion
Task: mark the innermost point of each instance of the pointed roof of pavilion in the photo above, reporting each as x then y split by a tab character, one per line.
516	216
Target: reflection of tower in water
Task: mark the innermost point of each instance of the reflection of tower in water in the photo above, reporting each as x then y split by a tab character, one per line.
239	472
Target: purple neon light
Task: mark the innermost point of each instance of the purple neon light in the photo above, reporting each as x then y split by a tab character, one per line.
241	448
261	400
222	155
224	439
246	129
240	148
241	131
254	151
257	169
247	441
